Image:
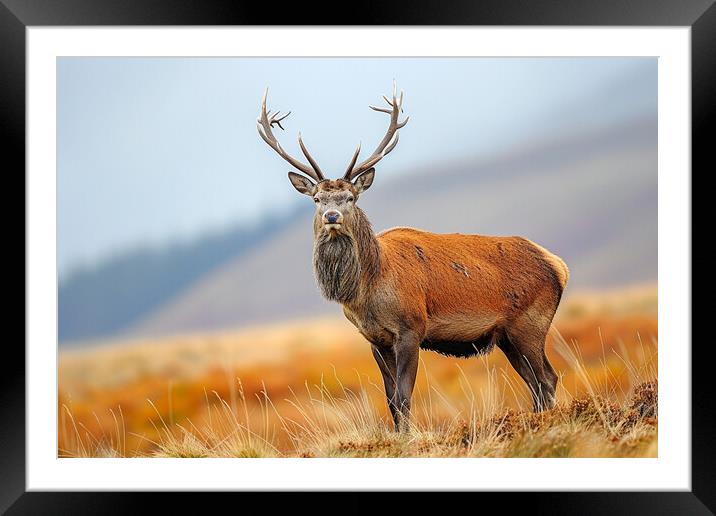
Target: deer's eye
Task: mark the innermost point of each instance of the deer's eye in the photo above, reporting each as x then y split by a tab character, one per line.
350	199
316	200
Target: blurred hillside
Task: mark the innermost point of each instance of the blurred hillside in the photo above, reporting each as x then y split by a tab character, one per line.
591	198
103	300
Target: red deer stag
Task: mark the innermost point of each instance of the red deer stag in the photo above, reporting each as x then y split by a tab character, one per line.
405	289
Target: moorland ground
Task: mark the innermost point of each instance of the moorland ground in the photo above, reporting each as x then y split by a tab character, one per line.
310	388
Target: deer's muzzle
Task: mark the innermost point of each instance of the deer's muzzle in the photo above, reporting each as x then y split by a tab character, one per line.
332	217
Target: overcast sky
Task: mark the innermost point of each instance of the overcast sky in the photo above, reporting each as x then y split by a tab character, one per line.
152	150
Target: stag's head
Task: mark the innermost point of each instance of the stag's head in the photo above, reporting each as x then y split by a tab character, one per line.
335	199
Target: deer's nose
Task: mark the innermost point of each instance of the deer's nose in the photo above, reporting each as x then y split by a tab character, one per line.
332	217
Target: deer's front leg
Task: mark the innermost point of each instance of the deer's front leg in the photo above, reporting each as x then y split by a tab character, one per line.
385	357
407	349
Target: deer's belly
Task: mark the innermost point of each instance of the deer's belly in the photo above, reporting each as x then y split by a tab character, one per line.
461	335
462	349
460	327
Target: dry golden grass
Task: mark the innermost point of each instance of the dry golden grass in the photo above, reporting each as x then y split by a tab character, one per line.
311	389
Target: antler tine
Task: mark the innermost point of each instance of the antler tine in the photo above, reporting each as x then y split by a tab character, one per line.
309	157
276	119
382	110
389	141
349	170
264	125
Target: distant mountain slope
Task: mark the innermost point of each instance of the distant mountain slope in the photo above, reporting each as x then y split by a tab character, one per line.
104	300
590	198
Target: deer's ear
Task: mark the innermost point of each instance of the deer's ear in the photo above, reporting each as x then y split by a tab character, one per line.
363	181
302	184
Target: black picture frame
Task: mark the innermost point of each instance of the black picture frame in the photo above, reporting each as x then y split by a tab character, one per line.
17	15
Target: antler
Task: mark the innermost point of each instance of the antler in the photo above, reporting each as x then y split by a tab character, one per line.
264	124
389	141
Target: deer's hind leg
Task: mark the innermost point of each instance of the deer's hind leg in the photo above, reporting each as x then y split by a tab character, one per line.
523	343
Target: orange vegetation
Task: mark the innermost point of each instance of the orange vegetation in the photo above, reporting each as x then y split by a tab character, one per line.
266	383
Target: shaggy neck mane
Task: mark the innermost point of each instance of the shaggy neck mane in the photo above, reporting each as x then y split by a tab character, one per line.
346	262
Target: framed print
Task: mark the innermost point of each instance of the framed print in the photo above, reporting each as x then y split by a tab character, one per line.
492	292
